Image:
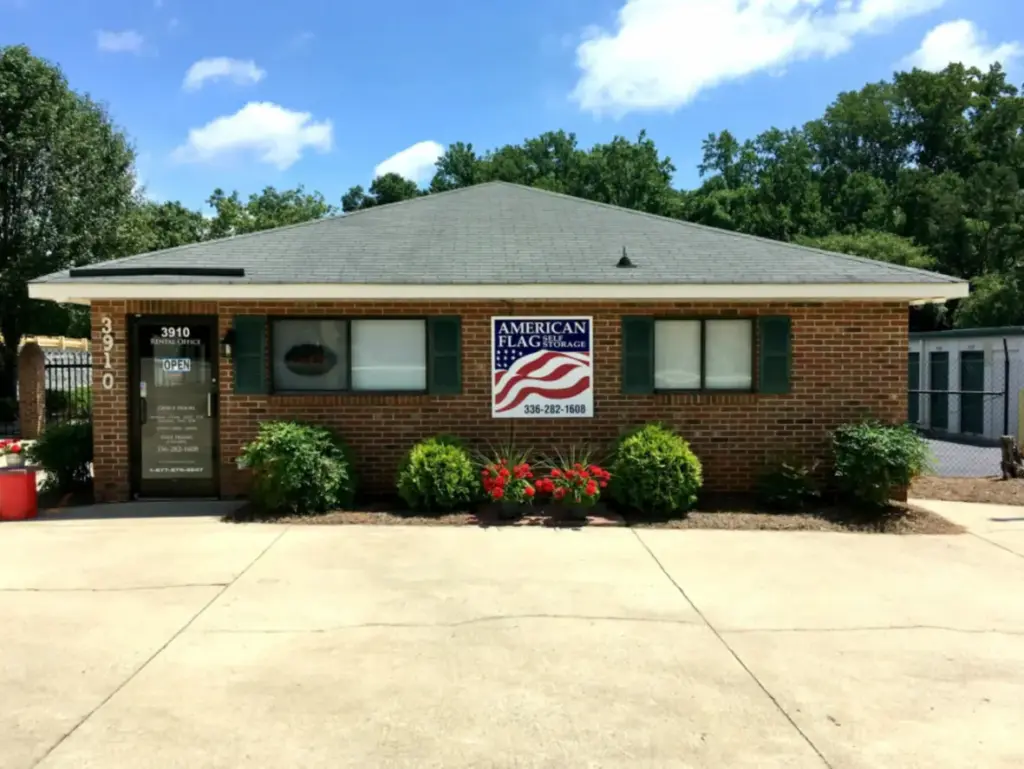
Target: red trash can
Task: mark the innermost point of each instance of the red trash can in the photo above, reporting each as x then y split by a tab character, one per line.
18	500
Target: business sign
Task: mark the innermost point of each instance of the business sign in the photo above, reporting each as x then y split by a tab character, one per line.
542	367
176	365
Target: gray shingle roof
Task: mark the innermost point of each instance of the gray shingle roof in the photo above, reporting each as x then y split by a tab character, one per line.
499	233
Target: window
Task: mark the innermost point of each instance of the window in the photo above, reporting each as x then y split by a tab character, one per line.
310	355
330	355
389	355
703	355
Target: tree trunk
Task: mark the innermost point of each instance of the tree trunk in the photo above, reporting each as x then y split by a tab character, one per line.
1013	462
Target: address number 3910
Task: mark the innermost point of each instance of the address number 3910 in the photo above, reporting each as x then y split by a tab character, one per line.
107	336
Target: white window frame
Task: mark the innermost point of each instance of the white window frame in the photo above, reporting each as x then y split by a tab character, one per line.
703	362
349	389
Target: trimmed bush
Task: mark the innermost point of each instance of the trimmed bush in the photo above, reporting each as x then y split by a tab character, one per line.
65	452
438	475
655	472
299	469
872	460
787	487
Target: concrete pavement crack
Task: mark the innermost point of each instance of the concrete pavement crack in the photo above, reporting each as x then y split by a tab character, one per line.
155	654
130	589
735	656
455	624
995	544
868	628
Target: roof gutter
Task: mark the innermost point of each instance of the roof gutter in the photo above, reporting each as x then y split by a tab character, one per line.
87	292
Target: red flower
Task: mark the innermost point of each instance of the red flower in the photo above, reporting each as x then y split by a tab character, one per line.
16	448
559	492
529	491
604	484
497	492
556	473
591	489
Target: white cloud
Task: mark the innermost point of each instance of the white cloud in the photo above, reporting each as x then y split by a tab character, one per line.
663	53
237	71
275	135
128	41
415	162
959	41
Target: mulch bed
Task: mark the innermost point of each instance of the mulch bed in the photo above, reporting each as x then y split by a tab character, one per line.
734	515
896	519
992	490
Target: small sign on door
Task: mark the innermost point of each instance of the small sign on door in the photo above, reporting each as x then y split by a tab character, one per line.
177	365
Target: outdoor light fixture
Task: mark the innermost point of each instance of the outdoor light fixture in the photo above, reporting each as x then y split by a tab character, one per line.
227	343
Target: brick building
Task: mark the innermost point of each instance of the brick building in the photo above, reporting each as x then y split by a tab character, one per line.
385	324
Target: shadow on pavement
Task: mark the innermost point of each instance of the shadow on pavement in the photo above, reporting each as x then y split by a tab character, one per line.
164	508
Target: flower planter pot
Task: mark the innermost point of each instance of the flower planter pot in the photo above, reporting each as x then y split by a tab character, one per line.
509	511
13	460
573	512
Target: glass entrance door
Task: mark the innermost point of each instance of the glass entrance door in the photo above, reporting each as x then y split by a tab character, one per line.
174	406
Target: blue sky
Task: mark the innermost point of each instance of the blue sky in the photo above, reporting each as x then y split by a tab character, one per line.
242	95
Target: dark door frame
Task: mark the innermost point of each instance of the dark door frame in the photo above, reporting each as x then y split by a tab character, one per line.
972	406
135	320
938	396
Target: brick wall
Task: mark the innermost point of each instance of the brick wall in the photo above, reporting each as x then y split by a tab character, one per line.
849	362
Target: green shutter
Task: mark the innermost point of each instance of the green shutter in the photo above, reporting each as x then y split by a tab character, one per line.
250	354
776	354
637	355
444	369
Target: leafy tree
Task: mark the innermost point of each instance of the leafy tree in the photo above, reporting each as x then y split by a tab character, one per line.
389	188
66	179
266	210
883	246
996	300
150	226
459	166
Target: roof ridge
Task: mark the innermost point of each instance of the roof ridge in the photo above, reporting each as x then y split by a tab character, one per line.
732	233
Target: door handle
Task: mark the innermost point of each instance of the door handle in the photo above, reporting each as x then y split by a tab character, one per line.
142	411
209	404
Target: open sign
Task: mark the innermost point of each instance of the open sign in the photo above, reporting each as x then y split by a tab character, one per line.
176	365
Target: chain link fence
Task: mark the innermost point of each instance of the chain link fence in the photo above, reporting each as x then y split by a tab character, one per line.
963	425
962	430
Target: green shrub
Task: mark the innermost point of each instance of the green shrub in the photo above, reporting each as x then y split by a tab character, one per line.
76	402
787	486
299	469
65	451
872	460
655	472
438	475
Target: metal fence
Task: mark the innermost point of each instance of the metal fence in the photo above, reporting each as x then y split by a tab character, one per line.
962	430
68	385
68	382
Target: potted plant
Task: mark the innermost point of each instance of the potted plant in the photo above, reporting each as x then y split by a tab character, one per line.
574	489
509	485
11	451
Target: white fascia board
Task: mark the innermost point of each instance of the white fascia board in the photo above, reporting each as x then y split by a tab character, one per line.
85	293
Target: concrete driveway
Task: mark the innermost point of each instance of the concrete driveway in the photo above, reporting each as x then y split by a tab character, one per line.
164	642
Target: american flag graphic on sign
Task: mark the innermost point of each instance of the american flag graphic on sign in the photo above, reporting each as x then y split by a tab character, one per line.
542	367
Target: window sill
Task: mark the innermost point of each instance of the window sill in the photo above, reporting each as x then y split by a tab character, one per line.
341	393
